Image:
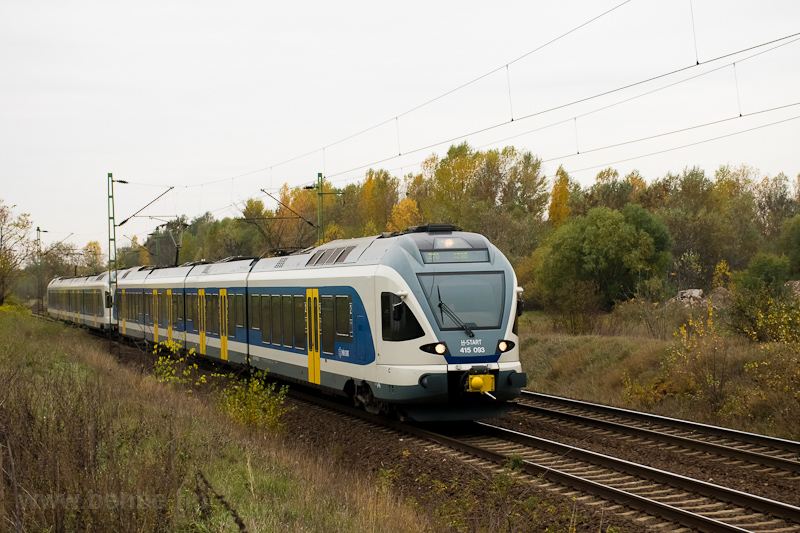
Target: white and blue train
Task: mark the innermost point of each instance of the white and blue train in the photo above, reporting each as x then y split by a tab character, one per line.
422	323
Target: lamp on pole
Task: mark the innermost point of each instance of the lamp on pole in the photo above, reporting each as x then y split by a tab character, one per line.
320	204
112	244
40	290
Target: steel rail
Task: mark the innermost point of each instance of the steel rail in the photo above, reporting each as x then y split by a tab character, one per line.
696	427
742	499
630	500
684	442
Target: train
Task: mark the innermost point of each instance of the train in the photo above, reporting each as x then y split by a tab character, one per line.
421	324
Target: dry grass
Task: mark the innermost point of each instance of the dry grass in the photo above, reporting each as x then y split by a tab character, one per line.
97	447
699	371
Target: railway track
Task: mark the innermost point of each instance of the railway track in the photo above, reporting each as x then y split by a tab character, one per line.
774	456
648	496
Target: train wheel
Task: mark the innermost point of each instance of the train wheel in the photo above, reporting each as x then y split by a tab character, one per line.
366	399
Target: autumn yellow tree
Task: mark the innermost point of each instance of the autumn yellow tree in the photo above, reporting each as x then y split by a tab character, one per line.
404	215
559	208
93	257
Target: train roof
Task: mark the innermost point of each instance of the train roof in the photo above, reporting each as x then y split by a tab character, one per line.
371	250
74	281
415	241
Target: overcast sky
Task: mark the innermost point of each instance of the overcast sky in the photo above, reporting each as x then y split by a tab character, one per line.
221	100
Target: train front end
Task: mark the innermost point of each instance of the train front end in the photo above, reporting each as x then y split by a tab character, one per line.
448	340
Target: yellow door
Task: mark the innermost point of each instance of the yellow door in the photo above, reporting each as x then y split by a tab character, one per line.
201	313
169	318
223	324
312	335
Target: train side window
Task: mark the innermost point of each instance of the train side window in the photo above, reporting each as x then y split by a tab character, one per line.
276	320
189	320
231	312
146	299
255	312
177	308
215	300
344	319
300	322
195	310
266	326
209	312
397	320
240	312
191	312
327	326
163	309
288	321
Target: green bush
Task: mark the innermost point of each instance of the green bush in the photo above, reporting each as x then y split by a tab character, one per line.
576	307
615	250
255	402
767	270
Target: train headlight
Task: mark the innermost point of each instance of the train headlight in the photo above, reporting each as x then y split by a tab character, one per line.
504	346
438	348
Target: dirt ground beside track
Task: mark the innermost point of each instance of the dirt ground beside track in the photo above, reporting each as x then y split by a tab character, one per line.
462	496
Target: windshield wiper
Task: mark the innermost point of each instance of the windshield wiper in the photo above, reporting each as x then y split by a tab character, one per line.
454	317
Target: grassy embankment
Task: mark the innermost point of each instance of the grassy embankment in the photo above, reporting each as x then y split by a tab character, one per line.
674	362
89	445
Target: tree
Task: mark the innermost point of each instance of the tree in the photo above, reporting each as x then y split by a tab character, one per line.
790	243
524	184
15	246
404	215
615	250
93	257
559	209
775	204
379	194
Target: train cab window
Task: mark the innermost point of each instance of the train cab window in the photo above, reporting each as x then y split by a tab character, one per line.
255	311
240	312
287	321
397	320
326	311
299	322
266	325
344	319
276	320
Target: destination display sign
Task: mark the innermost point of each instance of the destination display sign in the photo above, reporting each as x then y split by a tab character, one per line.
455	256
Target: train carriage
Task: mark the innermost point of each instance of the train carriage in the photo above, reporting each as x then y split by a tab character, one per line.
164	290
133	308
423	323
311	324
82	300
216	310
